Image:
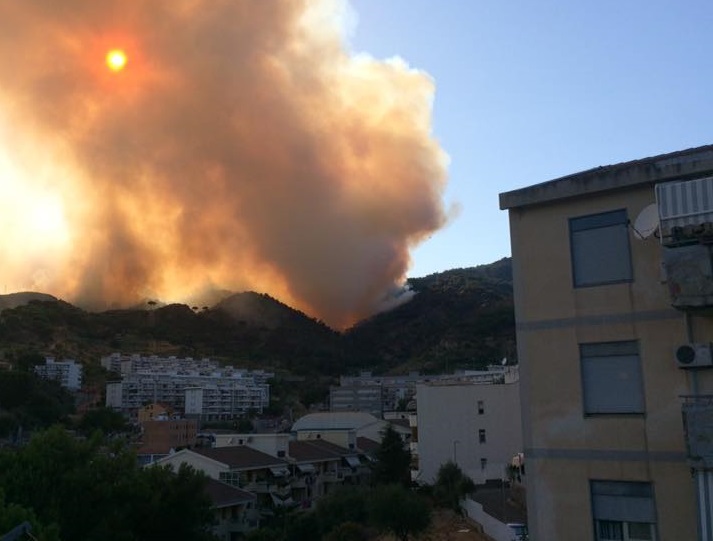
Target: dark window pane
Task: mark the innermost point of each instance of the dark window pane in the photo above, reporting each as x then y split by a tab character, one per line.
600	249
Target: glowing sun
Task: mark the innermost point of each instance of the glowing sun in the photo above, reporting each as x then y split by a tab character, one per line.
116	60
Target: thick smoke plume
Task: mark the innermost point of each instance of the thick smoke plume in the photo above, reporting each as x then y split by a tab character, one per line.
242	147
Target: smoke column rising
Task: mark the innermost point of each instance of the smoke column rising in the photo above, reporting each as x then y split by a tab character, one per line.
242	147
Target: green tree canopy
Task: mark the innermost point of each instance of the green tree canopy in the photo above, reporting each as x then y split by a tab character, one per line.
393	460
399	511
97	492
347	504
451	486
106	420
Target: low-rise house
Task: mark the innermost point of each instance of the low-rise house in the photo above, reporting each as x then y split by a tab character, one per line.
241	466
343	428
319	465
163	435
234	511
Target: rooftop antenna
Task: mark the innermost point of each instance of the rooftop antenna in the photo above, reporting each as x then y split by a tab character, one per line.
647	222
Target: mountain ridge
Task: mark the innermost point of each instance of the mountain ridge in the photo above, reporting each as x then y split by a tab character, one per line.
459	318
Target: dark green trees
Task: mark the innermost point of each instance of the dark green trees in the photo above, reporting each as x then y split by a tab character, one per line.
93	491
393	460
451	486
399	511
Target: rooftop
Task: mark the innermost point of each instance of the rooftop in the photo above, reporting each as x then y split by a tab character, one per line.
313	451
241	457
224	495
675	165
347	420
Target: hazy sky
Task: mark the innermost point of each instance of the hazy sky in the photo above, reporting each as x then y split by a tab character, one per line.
531	91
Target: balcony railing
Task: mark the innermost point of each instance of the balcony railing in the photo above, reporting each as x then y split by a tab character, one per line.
698	429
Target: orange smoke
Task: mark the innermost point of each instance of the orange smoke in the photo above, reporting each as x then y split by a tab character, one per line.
241	147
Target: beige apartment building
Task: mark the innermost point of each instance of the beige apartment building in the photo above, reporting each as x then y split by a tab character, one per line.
613	284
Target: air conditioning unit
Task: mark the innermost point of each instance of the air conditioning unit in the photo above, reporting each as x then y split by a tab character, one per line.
694	355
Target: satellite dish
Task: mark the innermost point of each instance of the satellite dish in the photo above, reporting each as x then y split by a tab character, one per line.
646	222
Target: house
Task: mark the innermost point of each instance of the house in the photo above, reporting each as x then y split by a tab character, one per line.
318	467
613	293
343	428
162	435
234	512
241	466
476	425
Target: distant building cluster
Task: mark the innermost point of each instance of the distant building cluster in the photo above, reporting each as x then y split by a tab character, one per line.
379	394
67	373
200	389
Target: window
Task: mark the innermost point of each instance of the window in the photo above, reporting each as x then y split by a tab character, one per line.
611	378
623	511
481	407
600	249
483	463
230	477
481	435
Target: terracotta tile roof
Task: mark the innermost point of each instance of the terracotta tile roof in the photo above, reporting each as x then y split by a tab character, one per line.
241	457
311	451
224	495
333	447
367	445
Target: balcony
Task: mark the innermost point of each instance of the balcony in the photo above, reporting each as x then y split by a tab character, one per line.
698	430
685	218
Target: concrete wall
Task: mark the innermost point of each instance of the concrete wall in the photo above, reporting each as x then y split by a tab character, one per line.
449	425
492	527
565	448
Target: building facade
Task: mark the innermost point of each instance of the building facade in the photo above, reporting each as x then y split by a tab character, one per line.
200	389
379	394
613	295
477	426
67	373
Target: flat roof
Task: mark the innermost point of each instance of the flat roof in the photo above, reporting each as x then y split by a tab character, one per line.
674	165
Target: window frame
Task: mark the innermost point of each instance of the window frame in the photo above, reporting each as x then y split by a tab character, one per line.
599	220
617	349
600	490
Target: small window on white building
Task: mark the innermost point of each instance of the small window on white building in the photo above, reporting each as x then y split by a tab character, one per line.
481	435
483	463
623	511
481	407
600	249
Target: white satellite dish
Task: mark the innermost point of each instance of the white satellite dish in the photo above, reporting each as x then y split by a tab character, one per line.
646	222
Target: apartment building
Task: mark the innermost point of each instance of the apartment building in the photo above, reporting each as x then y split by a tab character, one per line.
613	288
67	373
199	389
476	425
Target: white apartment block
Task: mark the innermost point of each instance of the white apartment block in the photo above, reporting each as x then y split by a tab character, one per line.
476	425
68	372
199	389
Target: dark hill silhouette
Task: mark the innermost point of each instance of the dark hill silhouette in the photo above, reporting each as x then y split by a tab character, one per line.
461	318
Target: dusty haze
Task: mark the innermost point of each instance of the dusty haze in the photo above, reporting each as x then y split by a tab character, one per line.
243	147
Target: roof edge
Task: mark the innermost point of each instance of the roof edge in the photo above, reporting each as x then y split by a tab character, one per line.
673	165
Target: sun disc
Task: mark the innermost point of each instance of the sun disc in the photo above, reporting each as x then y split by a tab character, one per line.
116	60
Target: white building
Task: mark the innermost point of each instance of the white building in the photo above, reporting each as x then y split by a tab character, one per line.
475	425
68	372
200	389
